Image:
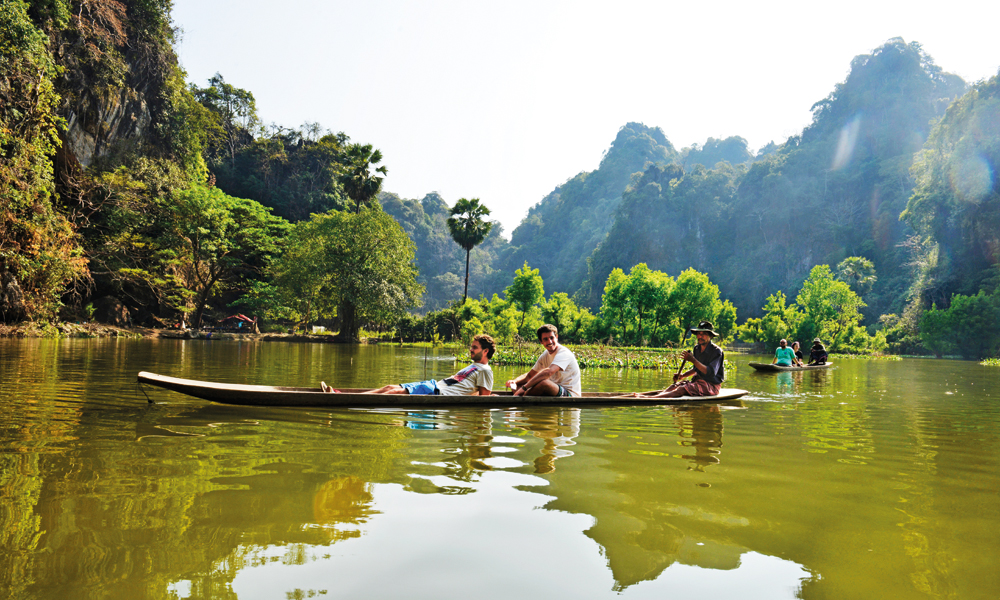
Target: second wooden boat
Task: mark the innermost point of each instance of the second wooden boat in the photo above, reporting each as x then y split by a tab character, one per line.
768	367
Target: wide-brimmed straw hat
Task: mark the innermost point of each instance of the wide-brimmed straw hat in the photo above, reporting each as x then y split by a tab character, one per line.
705	326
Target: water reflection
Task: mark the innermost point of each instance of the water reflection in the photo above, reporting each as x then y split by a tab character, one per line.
786	384
556	427
345	500
701	429
868	480
792	383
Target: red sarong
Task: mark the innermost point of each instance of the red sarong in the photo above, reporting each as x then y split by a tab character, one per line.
699	387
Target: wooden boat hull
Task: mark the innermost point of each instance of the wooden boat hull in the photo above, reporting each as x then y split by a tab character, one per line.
768	367
265	395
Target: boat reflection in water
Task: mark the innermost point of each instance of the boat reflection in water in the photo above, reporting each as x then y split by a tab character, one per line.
701	430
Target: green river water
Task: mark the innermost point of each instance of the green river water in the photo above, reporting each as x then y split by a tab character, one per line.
873	479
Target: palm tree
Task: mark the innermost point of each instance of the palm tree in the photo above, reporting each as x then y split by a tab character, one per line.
360	184
468	229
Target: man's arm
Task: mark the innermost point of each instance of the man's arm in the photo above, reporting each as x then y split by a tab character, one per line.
519	381
539	377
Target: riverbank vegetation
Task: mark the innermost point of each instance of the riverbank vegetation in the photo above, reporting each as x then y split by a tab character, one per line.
132	197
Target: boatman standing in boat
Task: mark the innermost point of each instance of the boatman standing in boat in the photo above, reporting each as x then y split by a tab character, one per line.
474	380
708	369
556	372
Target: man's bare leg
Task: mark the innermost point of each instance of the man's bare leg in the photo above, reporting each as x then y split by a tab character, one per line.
543	388
388	389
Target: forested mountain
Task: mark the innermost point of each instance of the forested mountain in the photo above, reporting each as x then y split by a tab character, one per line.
833	192
955	210
565	227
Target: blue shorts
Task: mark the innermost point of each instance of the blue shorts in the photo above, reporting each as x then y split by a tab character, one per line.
421	388
563	392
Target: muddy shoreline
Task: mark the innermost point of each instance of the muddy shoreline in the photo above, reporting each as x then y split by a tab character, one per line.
99	330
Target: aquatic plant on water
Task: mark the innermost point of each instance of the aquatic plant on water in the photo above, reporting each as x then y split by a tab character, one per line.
600	357
867	356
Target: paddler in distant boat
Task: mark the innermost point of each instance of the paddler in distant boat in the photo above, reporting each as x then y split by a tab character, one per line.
783	355
818	354
708	368
474	380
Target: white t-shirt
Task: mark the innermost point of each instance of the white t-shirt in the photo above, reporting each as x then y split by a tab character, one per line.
467	381
569	376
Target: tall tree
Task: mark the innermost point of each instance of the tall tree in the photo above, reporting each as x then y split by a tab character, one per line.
368	260
857	272
213	241
468	229
236	112
360	183
525	291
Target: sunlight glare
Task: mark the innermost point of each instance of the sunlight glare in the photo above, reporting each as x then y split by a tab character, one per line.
971	178
848	141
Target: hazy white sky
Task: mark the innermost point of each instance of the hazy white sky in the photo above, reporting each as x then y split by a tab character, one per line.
503	101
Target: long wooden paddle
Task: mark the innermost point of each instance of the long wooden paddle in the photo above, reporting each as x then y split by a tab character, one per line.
687	333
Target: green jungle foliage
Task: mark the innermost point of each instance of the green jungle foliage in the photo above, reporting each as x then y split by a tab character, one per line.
826	307
358	266
40	253
645	308
955	208
970	326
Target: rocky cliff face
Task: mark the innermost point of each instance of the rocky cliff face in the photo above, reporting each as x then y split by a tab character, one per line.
96	124
115	58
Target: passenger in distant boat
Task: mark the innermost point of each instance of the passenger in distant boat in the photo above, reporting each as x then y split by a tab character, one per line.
474	380
556	372
783	355
818	354
708	368
798	354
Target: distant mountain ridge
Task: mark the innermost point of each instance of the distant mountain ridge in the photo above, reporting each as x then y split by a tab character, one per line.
758	222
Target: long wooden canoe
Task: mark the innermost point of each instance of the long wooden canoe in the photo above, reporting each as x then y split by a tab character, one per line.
777	368
265	395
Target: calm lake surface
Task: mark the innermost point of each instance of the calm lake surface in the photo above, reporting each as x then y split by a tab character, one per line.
874	479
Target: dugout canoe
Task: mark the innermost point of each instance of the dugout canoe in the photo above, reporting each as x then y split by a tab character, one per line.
266	395
768	367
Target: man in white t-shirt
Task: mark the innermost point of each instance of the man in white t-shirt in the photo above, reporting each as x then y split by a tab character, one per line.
556	372
474	380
